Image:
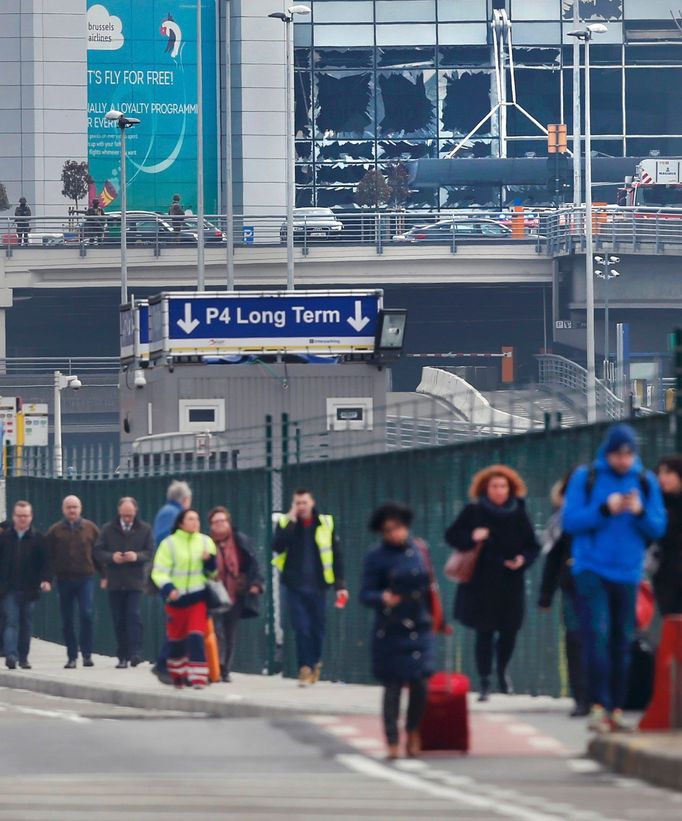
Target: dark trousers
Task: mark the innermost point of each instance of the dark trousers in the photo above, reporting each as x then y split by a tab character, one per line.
415	707
226	625
162	659
307	614
18	612
607	624
127	619
574	647
22	235
72	591
502	646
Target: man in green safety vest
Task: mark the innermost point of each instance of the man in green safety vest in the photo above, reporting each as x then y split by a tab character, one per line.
309	559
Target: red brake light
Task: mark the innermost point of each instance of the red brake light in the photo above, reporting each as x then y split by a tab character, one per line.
420	236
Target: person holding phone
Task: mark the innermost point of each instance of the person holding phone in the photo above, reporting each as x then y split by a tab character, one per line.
308	555
613	509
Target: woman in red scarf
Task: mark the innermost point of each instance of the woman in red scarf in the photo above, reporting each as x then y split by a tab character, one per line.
239	571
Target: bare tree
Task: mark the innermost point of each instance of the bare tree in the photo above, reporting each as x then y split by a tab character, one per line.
76	180
398	181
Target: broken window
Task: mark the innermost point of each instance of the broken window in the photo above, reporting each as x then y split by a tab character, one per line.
651	108
594	9
343	58
406	149
344	104
538	91
465	100
406	104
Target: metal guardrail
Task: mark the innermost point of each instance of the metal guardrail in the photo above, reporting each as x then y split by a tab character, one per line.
160	233
28	365
566	374
552	231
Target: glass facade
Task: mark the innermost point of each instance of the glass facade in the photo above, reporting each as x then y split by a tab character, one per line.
385	81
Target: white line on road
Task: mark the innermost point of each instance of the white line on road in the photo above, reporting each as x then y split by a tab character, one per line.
521	729
583	765
544	742
344	729
373	769
65	715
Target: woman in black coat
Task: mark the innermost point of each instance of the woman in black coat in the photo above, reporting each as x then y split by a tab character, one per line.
667	577
492	603
396	584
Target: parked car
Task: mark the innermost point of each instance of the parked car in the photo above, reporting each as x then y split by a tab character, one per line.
150	228
443	231
313	224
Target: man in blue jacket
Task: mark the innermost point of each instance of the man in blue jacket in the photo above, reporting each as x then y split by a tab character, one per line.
613	508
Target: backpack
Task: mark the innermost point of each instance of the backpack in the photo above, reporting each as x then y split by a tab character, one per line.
644	483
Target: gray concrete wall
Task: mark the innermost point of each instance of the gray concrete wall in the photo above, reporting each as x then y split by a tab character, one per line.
43	98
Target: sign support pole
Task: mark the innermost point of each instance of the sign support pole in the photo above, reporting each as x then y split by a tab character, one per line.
201	237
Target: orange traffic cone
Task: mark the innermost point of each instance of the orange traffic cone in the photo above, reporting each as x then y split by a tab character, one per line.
212	657
665	710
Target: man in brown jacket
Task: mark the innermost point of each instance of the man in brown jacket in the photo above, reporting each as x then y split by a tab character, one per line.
71	543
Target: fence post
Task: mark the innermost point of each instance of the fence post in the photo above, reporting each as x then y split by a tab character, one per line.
272	590
678	390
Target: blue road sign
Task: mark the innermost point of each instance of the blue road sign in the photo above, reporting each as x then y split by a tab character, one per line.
295	322
248	234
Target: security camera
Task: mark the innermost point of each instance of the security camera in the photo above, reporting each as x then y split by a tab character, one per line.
139	380
74	383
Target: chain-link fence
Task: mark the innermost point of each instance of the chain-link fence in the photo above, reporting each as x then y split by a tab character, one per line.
434	480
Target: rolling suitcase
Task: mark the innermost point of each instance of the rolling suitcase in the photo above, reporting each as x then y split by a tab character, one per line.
445	725
211	647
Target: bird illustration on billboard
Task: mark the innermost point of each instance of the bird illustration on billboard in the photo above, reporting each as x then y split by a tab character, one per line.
170	29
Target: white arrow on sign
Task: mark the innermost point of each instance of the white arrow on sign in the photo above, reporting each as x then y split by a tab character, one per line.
188	324
358	321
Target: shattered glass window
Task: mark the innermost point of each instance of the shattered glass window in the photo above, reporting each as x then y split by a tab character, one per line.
341	173
345	150
538	91
416	57
464	100
406	149
343	103
650	107
464	56
537	56
470	196
302	96
304	150
474	148
646	53
343	58
406	103
594	9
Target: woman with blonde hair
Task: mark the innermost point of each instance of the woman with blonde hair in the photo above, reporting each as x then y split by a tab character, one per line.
492	602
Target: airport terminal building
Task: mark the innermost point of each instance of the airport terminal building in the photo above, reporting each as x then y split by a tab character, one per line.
377	82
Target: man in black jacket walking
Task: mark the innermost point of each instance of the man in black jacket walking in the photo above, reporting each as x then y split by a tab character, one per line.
124	548
24	572
22	214
309	558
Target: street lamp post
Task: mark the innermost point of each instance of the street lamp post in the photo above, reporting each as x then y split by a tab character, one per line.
123	123
586	34
288	18
229	190
201	236
61	381
607	274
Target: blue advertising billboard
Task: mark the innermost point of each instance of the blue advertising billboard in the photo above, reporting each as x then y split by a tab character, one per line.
142	60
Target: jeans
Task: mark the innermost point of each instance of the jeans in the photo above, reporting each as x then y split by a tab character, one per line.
127	619
504	648
607	623
307	614
415	708
226	625
72	591
18	625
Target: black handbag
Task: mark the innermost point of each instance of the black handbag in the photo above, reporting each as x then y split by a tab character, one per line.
250	606
217	598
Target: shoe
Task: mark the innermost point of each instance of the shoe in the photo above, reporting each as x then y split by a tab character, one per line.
88	662
506	684
122	664
304	676
11	662
226	678
618	722
392	752
413	747
135	661
198	686
317	672
163	675
25	665
484	693
70	664
598	721
580	710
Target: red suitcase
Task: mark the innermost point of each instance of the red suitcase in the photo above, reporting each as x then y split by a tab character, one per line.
445	725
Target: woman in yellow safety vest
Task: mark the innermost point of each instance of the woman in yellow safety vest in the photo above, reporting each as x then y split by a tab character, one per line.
183	563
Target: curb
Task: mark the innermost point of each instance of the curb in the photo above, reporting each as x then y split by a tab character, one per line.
185	701
652	757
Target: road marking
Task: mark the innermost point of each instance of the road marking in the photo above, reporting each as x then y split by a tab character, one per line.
366	743
521	729
411	766
543	742
372	769
344	729
65	715
323	720
583	765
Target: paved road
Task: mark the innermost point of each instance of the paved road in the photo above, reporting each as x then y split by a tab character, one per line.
65	759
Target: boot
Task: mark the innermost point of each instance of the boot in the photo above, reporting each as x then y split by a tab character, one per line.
413	747
484	694
304	676
317	672
505	682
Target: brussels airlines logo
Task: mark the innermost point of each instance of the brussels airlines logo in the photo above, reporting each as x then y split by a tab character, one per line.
170	29
105	31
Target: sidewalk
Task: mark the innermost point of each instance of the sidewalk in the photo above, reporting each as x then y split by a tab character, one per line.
653	757
247	696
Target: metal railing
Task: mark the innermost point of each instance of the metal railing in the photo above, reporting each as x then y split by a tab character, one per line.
27	365
160	233
571	377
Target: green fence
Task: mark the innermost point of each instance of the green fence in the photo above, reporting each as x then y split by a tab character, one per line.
433	480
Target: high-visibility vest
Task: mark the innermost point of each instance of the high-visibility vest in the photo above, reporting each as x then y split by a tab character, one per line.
180	561
324	539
